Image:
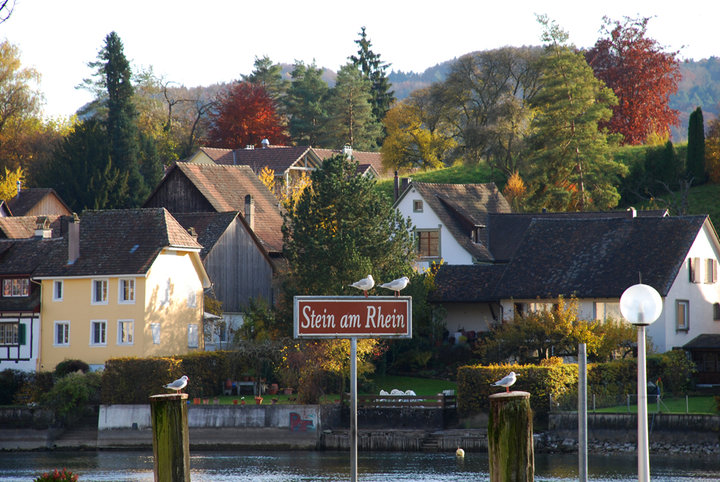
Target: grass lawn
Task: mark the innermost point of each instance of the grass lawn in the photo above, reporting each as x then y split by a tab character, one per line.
421	386
667	405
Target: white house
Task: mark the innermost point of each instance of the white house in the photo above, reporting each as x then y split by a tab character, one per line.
450	219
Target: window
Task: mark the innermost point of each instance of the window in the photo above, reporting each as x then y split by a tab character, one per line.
606	310
164	291
98	332
57	290
16	287
99	291
417	206
193	336
125	332
716	311
62	333
127	291
694	270
682	315
191	298
9	334
428	243
155	328
710	270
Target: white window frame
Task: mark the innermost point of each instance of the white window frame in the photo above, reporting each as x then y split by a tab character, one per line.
121	339
102	323
155	330
694	267
15	287
193	336
122	282
93	292
418	233
710	270
58	284
66	325
682	307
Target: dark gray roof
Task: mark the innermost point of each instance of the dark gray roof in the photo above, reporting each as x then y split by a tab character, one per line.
466	283
461	208
208	226
597	258
29	198
19	259
704	342
506	230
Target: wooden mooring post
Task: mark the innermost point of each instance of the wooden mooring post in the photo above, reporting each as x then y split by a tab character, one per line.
171	440
510	438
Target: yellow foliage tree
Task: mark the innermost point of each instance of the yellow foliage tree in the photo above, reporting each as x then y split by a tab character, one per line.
267	177
290	196
515	191
8	183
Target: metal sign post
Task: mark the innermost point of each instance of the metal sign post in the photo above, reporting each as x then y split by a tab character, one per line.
353	317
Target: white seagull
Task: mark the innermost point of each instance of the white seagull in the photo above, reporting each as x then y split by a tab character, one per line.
178	384
364	284
396	285
506	382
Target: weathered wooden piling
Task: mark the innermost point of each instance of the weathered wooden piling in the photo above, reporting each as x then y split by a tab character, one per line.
510	438
171	440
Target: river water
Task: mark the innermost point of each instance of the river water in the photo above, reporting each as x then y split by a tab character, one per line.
334	466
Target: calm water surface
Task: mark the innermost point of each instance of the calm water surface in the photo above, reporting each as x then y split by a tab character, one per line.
331	466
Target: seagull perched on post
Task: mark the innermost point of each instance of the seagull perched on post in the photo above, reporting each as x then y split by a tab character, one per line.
396	285
364	284
178	384
506	382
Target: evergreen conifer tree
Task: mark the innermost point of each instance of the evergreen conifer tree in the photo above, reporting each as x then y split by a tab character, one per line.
305	104
696	147
374	70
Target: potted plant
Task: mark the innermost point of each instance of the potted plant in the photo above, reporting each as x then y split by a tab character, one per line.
258	400
242	400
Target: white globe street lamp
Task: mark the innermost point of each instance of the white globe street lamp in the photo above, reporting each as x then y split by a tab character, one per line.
641	305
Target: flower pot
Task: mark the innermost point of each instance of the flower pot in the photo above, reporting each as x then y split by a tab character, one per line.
242	402
235	402
258	400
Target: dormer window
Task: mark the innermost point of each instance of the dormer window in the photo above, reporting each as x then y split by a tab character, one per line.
16	287
475	234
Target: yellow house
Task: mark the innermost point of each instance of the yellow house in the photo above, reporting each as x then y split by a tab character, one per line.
121	283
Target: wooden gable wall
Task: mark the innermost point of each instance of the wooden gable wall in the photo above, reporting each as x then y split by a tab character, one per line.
178	195
48	205
239	270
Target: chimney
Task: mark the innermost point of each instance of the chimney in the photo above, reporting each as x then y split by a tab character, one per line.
265	143
250	211
347	150
42	228
73	239
396	185
404	183
19	188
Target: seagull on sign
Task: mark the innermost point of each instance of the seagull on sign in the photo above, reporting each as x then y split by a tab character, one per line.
364	284
506	382
178	384
396	285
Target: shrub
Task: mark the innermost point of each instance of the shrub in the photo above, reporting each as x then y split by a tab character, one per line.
70	366
542	382
72	396
10	383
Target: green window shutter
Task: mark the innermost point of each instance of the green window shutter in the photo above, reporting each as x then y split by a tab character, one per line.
22	333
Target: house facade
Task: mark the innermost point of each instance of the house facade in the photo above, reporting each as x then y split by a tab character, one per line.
121	283
450	219
36	202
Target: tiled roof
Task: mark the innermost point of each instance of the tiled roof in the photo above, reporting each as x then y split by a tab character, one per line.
208	226
598	258
28	198
277	158
362	157
225	188
21	258
461	207
466	283
704	342
17	227
115	242
506	230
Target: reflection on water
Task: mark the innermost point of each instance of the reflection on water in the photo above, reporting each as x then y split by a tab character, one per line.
331	466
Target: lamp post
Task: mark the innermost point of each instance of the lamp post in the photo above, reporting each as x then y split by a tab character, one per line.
641	305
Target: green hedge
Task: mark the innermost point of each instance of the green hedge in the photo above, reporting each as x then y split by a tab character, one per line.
134	380
542	382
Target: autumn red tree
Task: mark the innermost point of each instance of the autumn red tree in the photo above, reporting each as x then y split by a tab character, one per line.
642	76
245	116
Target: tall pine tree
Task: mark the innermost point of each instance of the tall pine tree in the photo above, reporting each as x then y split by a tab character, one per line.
696	147
305	104
374	70
571	167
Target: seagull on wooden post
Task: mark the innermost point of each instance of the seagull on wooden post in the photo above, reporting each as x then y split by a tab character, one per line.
364	284
178	384
396	285
506	382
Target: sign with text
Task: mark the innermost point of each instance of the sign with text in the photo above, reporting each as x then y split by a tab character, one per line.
353	317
